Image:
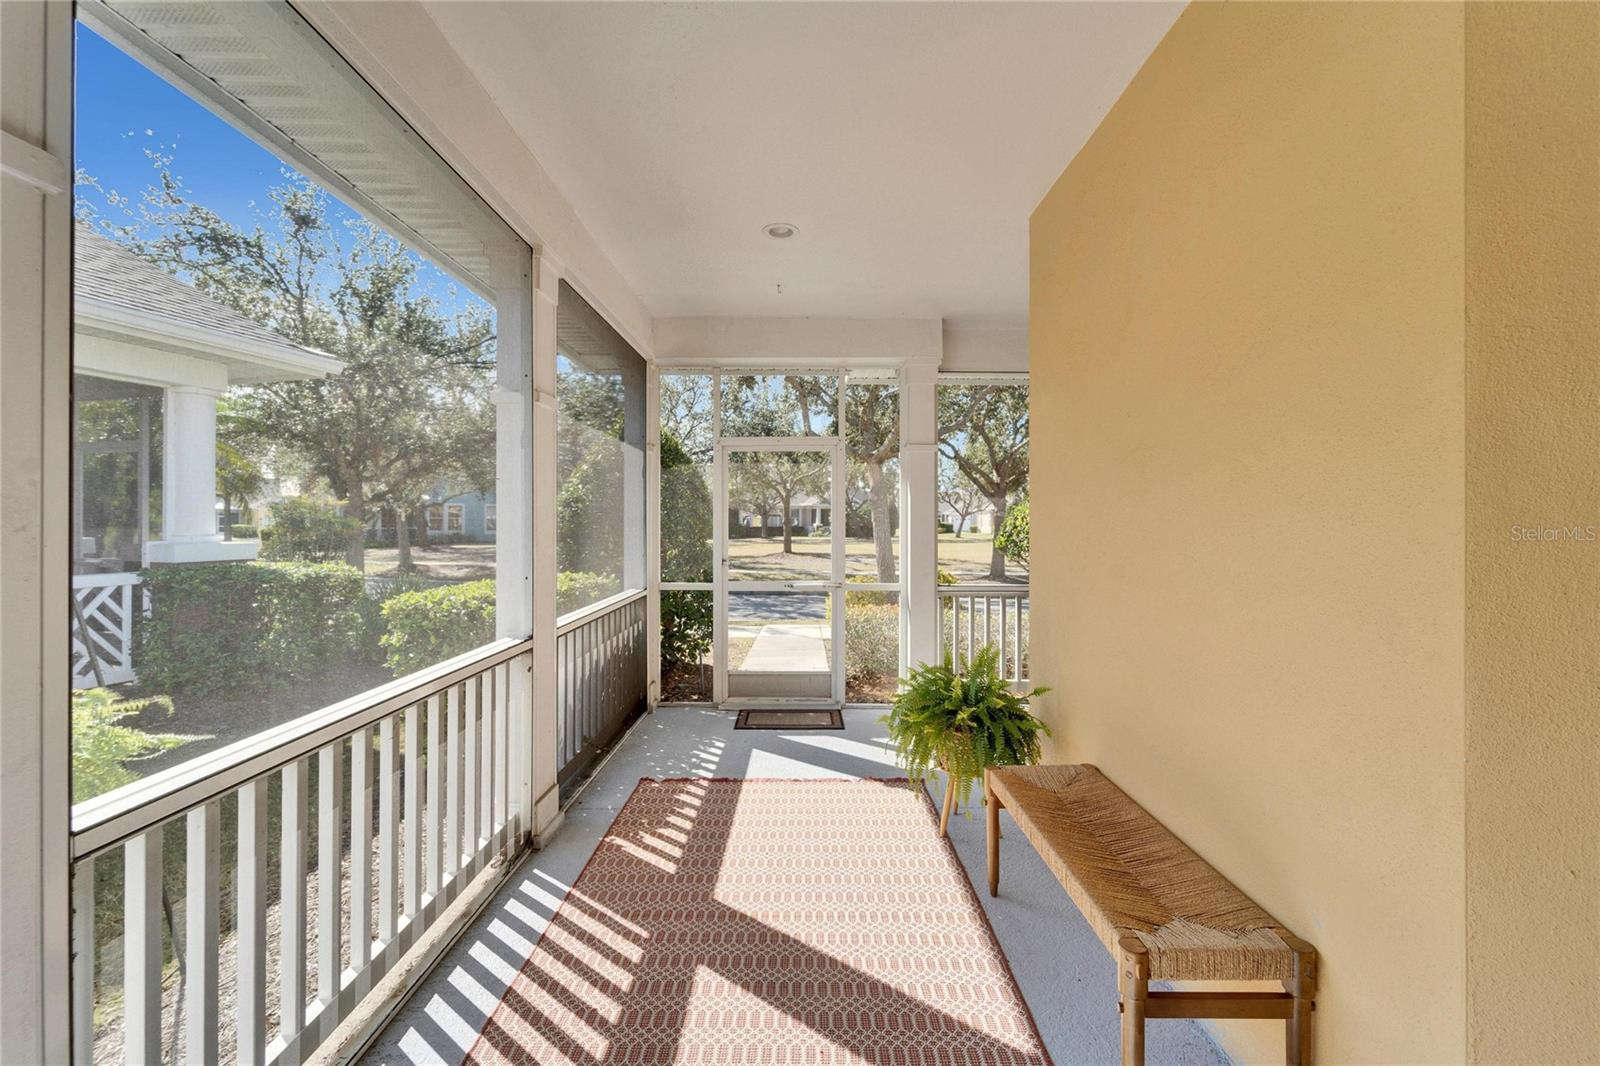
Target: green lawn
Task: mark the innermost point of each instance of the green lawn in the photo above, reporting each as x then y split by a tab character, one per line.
966	556
762	559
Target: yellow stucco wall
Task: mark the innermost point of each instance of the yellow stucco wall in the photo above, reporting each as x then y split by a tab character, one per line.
1247	376
1533	505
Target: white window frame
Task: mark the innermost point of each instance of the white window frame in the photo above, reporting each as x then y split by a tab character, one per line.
489	518
38	795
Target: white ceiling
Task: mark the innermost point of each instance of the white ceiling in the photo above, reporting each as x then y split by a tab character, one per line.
908	142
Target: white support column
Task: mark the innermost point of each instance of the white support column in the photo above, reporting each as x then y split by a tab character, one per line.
919	531
513	393
652	512
542	797
35	466
635	452
189	482
189	487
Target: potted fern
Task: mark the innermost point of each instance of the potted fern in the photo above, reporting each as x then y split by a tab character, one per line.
961	724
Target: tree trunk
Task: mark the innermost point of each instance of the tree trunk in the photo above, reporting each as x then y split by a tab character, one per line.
882	521
355	552
402	542
788	536
424	535
227	521
997	561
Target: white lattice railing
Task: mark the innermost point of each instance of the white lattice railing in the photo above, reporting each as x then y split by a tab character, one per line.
975	616
347	833
102	625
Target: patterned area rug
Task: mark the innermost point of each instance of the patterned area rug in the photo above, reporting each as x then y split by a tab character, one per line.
761	921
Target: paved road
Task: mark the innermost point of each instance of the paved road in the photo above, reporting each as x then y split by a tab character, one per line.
747	607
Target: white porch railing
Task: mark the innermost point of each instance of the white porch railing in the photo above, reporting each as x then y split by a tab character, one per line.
976	616
601	660
349	831
102	626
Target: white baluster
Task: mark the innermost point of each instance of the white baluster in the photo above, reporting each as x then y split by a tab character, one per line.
435	771
413	790
450	853
472	793
141	948
252	923
292	911
203	933
388	834
83	953
360	854
330	902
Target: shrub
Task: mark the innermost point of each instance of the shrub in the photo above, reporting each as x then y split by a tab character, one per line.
946	527
871	636
686	512
307	530
947	578
379	590
222	627
1012	540
101	745
589	510
686	627
241	531
579	588
427	626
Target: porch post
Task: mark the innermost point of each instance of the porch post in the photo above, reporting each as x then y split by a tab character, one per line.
652	543
919	468
544	798
635	534
512	278
513	489
35	566
189	462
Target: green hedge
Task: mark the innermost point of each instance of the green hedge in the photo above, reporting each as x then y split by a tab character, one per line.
226	627
427	626
580	588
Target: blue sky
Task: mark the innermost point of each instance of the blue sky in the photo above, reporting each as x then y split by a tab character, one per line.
124	112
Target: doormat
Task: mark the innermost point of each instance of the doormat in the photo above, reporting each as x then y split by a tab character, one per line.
766	921
790	720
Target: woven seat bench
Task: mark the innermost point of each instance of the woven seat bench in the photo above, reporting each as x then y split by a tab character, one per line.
1162	911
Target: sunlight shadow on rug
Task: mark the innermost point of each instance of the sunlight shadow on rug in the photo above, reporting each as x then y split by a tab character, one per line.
820	921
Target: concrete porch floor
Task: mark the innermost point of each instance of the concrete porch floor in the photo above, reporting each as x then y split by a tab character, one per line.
1066	976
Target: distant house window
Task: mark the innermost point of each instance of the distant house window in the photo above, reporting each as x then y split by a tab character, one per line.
447	518
488	518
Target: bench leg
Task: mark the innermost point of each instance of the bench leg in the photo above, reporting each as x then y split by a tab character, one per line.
991	823
1133	986
1303	987
949	805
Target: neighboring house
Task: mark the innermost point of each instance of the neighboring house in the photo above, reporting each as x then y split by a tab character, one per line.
806	514
141	335
465	516
151	358
980	521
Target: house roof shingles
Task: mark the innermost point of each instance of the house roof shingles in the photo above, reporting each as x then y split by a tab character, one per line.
108	274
